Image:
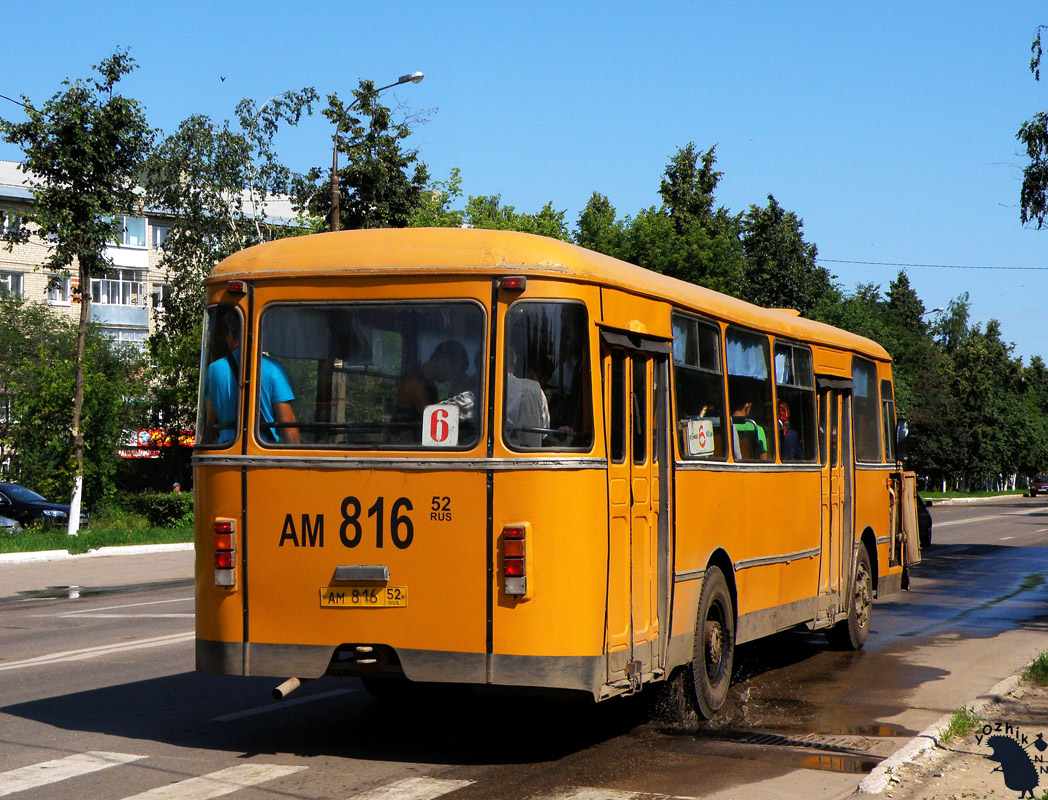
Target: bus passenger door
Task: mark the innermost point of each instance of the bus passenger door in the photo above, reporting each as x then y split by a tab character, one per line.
635	396
837	537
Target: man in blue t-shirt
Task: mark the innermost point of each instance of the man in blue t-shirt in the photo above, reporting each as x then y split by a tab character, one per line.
221	393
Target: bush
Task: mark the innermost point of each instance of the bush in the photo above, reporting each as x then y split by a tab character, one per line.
166	509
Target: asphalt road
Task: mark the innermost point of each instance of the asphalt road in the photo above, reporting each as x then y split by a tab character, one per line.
98	698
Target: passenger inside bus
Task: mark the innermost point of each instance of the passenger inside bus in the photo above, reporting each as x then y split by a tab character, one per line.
788	436
221	392
447	365
749	441
526	406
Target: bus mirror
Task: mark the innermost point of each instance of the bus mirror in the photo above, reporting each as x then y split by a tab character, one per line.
902	440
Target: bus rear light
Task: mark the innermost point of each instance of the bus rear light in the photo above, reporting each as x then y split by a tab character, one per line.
513	283
236	287
225	560
515	560
225	552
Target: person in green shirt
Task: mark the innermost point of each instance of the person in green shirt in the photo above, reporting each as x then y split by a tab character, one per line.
748	438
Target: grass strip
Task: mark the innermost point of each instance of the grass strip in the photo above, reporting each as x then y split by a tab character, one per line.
35	539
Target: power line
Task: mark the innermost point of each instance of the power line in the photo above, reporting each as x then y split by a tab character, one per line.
927	266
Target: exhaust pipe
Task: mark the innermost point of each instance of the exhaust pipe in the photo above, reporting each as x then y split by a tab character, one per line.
287	687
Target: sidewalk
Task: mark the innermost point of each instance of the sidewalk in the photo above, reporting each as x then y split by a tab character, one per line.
965	768
22	575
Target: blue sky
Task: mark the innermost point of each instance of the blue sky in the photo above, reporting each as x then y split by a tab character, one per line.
888	127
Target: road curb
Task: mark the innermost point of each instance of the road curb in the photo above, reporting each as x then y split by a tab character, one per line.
878	779
37	556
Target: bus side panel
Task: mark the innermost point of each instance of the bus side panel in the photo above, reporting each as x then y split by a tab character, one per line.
219	609
561	619
427	528
769	525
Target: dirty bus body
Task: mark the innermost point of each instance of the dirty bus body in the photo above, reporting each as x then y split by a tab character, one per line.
492	458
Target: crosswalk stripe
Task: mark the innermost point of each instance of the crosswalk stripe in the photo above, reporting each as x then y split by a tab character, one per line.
413	789
60	769
218	784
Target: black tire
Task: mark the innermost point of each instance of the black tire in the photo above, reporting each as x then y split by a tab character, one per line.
851	633
714	654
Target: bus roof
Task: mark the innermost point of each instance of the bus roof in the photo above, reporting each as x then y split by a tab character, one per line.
456	251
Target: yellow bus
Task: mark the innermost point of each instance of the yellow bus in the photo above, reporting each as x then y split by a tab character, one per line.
496	459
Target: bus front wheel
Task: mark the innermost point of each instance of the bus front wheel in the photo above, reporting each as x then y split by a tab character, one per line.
851	633
714	644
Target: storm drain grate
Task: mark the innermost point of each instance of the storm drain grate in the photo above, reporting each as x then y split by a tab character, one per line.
849	745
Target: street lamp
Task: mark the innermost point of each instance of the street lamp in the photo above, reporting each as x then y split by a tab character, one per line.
414	77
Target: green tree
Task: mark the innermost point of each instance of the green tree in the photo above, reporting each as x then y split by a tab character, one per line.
36	349
435	208
84	150
1033	135
781	268
489	213
216	180
598	228
381	183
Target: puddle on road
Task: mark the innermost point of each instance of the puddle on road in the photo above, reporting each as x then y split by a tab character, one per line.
81	592
851	765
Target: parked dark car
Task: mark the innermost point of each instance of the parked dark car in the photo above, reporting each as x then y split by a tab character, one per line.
28	507
924	522
1039	485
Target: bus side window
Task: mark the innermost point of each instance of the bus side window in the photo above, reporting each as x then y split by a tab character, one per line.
618	407
795	389
750	396
698	385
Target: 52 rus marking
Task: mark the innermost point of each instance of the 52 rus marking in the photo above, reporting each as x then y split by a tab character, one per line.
353	529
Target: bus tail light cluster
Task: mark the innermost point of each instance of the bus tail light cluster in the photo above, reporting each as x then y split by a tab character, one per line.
225	552
515	546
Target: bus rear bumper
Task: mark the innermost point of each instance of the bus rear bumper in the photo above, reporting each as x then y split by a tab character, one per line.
573	673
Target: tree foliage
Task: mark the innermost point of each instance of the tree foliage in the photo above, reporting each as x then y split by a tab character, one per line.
381	182
216	180
37	369
84	150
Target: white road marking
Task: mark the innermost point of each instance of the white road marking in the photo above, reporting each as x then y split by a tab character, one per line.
218	784
600	794
413	789
89	615
126	605
103	650
937	525
279	704
60	769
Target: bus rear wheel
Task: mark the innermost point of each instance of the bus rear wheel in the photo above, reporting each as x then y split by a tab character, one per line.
714	653
851	633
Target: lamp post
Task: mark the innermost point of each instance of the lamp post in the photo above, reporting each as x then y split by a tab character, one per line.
414	77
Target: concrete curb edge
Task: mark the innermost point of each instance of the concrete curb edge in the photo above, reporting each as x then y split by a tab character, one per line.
64	555
878	779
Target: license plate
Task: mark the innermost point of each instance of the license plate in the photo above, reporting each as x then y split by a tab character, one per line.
363	596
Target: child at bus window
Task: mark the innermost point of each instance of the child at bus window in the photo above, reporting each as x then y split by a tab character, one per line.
748	438
790	439
221	392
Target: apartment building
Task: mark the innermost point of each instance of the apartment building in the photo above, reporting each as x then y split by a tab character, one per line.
126	302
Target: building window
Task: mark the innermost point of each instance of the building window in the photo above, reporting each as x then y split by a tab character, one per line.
133	231
159	296
58	290
5	409
10	223
120	287
130	336
11	283
160	233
